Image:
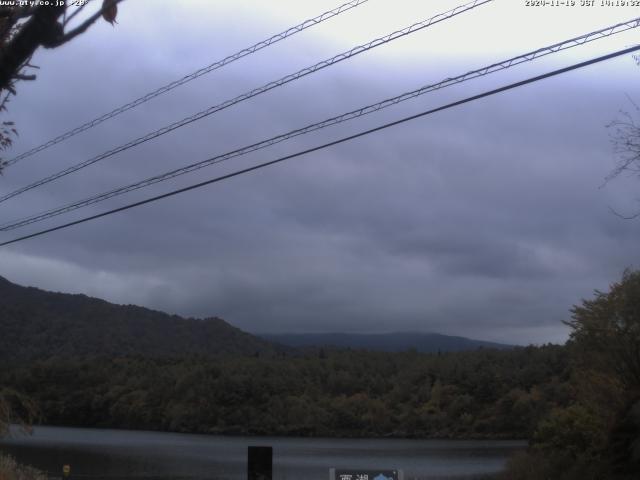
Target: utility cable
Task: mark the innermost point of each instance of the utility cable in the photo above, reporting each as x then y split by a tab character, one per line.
192	76
332	143
257	91
605	32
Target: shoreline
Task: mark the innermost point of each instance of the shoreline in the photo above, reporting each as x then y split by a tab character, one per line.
291	435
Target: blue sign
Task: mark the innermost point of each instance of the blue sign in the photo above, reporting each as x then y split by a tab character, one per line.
340	474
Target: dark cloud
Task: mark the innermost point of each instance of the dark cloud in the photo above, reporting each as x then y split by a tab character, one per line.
485	220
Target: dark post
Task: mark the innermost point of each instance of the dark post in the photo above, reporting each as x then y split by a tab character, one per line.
260	463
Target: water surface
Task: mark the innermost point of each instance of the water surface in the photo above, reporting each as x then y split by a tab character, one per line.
121	454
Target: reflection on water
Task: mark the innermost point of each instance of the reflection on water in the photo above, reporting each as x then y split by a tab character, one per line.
123	454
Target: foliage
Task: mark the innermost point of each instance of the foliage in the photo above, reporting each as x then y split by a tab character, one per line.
578	404
575	430
606	332
7	130
598	435
535	465
36	324
477	394
87	362
11	470
16	408
27	26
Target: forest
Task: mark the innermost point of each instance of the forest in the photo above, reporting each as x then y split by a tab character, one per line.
479	394
578	404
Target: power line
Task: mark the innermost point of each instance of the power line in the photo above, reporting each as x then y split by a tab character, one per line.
605	32
257	91
192	76
332	143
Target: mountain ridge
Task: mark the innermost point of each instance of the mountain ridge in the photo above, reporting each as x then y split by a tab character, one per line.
37	324
425	342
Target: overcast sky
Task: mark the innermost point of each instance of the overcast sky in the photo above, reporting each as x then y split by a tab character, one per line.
487	220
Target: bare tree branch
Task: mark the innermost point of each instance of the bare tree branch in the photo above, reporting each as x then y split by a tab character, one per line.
25	28
83	26
624	217
40	29
16	12
625	138
22	76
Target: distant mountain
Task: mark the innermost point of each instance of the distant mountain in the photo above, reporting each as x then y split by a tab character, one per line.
37	324
386	342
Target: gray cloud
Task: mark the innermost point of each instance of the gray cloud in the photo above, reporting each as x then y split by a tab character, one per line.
484	220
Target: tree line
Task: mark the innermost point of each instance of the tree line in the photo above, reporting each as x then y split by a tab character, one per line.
577	404
479	394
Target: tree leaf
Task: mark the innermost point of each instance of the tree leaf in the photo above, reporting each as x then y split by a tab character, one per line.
109	11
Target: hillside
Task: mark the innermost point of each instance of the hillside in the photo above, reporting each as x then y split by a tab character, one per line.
37	324
385	342
477	394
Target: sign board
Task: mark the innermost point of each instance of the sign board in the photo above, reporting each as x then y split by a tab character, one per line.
66	470
260	463
362	474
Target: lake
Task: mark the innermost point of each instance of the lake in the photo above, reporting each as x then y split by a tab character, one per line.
120	454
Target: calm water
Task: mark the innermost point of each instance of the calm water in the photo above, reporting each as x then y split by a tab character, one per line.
120	454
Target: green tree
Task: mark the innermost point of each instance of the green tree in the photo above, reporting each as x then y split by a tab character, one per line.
15	408
598	436
605	332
